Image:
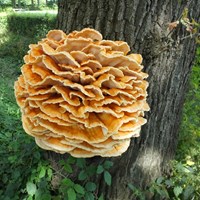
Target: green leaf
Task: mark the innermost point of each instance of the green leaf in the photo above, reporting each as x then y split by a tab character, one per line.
11	188
81	163
37	155
71	160
67	182
45	197
79	189
169	183
188	192
132	187
12	159
182	168
31	188
38	194
190	163
30	198
61	162
42	195
89	196
49	173
68	168
42	172
101	197
160	180
71	194
107	178
90	186
91	170
108	164
16	175
82	175
178	190
163	192
43	184
100	169
158	189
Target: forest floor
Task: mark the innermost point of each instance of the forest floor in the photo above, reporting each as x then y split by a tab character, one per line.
25	172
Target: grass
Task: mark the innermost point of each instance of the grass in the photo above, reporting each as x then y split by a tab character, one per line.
3	14
24	172
19	154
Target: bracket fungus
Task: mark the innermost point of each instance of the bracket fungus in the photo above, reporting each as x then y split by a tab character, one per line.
81	94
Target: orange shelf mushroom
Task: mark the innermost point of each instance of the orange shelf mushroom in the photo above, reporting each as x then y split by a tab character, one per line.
81	94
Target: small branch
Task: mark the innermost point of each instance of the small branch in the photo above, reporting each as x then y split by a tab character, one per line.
164	48
190	36
58	172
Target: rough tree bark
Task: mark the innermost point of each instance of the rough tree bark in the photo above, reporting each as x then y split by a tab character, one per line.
167	59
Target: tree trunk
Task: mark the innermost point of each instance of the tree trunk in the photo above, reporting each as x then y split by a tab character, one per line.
14	3
143	24
19	4
32	4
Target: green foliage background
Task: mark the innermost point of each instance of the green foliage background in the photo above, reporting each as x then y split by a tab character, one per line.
24	171
31	25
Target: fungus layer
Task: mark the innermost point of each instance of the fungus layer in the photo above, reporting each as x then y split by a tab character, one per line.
81	94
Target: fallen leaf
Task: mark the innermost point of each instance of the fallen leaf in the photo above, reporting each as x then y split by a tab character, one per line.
173	25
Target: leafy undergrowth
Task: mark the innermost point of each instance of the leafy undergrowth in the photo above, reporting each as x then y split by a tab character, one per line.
25	173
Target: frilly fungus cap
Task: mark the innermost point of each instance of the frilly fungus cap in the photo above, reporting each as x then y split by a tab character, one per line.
81	94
